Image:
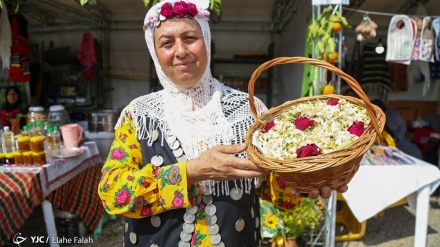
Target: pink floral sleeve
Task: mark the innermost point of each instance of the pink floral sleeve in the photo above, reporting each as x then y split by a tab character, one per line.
275	190
126	188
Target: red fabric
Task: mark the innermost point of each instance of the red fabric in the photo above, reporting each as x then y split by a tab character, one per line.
5	115
19	70
86	53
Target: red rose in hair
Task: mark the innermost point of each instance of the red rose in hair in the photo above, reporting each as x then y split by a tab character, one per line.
307	150
167	10
192	9
332	101
181	8
357	128
303	123
268	126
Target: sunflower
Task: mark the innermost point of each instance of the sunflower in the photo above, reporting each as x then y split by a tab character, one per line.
271	221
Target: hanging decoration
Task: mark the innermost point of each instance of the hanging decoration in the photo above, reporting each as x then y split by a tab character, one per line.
367	29
87	56
330	21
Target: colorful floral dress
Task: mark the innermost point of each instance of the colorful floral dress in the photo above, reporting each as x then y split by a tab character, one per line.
147	183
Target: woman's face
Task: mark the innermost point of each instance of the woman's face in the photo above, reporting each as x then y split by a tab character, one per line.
181	51
12	96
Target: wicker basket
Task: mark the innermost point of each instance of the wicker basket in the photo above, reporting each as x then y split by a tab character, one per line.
332	169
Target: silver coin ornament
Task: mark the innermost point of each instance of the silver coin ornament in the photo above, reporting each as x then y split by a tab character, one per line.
192	210
157	160
155	221
188	228
221	244
211	220
239	225
155	135
183	244
178	152
236	193
210	209
189	218
185	236
181	158
213	229
215	239
207	199
175	145
133	238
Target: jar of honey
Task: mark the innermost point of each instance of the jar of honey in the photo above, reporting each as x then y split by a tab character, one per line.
18	158
39	158
28	158
37	143
23	143
10	158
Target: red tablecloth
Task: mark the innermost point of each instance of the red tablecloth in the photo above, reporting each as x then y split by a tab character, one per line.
70	185
20	193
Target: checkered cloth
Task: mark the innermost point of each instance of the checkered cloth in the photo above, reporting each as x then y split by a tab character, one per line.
20	193
83	200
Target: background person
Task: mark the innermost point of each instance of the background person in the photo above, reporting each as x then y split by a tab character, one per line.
177	167
13	106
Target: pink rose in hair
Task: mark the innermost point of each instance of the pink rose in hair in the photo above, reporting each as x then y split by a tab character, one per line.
307	150
357	128
181	8
167	10
303	123
332	101
192	9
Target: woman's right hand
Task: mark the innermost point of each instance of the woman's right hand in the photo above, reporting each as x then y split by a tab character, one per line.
219	163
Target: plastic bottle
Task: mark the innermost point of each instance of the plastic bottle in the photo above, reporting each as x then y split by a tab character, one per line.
57	137
45	127
8	140
49	146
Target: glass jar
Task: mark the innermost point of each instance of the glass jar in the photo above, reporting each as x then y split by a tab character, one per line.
35	114
39	158
58	115
37	143
28	158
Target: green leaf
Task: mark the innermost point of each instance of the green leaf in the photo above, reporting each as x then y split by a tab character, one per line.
83	2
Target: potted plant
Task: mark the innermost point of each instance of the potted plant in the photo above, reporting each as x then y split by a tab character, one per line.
284	227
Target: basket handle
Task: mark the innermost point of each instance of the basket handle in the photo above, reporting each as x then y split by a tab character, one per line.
320	63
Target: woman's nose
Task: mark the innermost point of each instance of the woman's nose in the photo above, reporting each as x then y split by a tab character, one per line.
181	49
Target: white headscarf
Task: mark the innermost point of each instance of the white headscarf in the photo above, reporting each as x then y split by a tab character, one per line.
194	115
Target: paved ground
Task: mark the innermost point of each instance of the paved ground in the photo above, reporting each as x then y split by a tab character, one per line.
394	229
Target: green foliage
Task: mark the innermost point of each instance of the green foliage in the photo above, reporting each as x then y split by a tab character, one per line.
214	5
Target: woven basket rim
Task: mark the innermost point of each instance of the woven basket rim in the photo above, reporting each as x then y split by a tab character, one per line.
351	152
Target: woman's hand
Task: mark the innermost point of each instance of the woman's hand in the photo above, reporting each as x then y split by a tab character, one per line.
219	163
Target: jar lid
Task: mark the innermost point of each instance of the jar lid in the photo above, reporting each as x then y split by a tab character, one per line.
36	108
56	108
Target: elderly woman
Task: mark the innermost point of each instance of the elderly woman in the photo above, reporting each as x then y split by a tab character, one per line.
177	167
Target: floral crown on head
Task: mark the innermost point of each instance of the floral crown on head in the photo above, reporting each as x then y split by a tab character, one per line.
176	9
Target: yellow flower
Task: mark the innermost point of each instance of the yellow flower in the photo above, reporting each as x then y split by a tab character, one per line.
271	221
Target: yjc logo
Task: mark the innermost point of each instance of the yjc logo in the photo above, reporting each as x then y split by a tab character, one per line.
18	239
